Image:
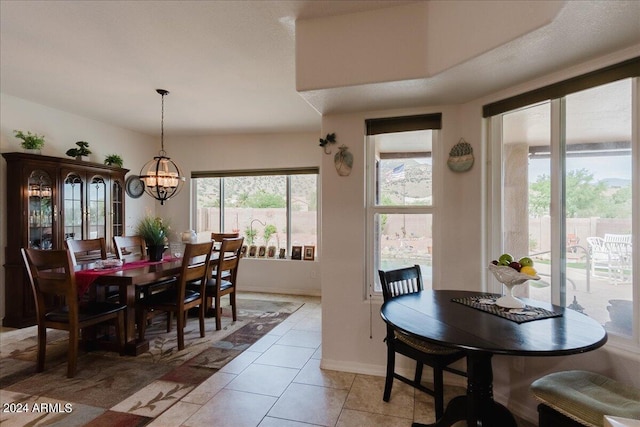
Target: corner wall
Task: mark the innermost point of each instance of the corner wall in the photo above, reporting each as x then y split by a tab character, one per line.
352	330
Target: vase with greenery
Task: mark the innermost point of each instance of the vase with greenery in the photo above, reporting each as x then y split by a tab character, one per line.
31	142
80	152
113	160
155	232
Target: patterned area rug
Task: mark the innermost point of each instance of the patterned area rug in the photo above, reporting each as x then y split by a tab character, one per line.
106	383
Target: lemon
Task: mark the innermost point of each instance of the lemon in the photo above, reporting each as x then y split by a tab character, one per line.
528	270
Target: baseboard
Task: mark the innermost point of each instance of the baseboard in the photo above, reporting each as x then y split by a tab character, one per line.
286	291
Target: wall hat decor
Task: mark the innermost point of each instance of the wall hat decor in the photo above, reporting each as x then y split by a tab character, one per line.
460	157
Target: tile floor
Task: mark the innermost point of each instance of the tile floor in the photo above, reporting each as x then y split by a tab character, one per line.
278	382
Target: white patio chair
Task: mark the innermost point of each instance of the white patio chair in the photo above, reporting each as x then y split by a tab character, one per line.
611	253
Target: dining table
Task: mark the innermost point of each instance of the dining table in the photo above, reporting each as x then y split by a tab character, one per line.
472	322
130	278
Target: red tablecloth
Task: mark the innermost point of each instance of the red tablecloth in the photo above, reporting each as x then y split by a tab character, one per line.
84	278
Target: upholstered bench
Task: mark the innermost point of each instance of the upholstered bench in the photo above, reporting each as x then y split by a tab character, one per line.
581	398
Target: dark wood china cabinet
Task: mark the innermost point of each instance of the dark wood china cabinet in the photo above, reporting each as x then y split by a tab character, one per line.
49	200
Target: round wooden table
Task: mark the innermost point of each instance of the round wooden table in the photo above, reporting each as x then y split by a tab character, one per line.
434	317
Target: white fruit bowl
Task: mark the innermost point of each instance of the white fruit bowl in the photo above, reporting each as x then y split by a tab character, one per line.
510	278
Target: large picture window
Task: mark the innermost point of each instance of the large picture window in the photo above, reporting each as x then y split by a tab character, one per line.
400	194
269	208
568	184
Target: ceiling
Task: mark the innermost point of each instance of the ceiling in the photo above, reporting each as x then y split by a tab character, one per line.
230	65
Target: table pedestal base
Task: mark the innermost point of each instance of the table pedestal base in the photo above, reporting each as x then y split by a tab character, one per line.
478	407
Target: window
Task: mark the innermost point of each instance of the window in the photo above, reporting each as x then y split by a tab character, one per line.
567	182
400	194
269	208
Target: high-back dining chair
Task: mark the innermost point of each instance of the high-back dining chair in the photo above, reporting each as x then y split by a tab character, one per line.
179	299
130	248
84	251
51	273
405	281
222	279
217	243
219	236
134	248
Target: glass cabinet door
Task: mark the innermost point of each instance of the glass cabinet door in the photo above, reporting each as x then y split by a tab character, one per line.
40	215
72	204
97	208
117	198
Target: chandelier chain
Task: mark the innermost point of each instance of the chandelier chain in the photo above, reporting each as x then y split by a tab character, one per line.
162	152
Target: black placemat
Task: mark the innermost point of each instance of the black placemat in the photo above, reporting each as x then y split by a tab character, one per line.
487	303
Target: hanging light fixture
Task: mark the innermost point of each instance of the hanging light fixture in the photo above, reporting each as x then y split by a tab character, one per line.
161	176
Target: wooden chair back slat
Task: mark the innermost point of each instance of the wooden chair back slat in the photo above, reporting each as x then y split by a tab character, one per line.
130	248
50	273
89	250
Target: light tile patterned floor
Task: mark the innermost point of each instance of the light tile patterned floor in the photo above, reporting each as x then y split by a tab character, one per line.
278	382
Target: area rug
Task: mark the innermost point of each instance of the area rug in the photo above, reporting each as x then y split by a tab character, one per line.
104	380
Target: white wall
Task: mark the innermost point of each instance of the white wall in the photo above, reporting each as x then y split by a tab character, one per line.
458	251
61	131
249	151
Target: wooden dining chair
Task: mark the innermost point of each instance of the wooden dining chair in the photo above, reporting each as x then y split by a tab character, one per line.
179	299
86	251
130	248
220	284
134	248
51	273
217	239
405	281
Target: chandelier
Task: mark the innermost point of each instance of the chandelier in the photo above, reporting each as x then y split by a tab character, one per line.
161	176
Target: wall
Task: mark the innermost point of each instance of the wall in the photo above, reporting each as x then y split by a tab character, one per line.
249	151
61	131
459	251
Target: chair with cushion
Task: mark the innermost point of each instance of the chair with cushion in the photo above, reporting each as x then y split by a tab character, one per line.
220	284
179	299
582	398
405	281
51	274
134	248
217	243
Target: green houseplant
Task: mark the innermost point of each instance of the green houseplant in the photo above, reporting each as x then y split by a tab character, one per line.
81	151
113	160
155	232
30	141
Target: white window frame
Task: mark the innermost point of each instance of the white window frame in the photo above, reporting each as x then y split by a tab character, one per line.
372	209
288	173
494	203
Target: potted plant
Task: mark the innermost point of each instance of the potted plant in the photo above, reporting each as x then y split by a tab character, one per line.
113	160
155	233
80	153
31	142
